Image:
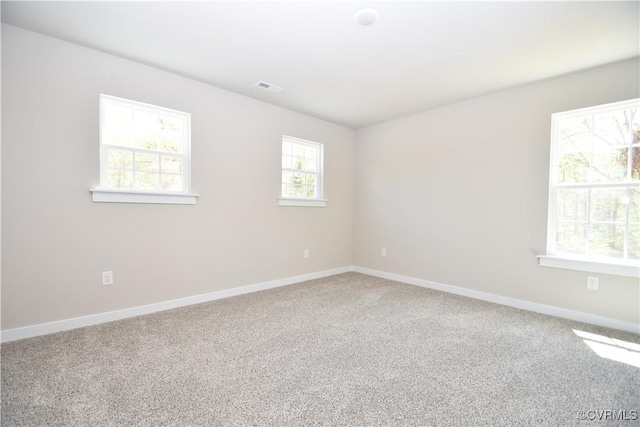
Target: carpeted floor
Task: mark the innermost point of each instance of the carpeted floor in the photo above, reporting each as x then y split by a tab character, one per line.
344	350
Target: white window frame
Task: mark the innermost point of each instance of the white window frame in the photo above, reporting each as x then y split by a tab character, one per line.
104	193
592	264
319	201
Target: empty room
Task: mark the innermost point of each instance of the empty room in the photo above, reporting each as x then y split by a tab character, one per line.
291	213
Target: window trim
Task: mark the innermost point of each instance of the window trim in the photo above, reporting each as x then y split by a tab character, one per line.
318	202
622	267
590	265
122	196
310	203
105	194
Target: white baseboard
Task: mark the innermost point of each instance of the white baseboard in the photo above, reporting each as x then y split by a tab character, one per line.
550	310
95	319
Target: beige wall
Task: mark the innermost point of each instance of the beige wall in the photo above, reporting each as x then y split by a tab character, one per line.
56	242
458	195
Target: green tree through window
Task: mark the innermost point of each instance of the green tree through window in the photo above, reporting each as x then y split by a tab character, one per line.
594	207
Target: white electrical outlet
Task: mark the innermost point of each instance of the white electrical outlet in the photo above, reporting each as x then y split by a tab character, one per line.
306	253
107	278
592	283
383	252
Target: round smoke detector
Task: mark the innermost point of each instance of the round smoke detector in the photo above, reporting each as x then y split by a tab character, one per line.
366	17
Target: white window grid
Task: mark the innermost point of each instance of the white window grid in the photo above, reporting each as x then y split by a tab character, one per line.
184	156
314	169
555	186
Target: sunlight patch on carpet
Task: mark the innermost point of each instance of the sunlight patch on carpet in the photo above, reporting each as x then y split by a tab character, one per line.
611	348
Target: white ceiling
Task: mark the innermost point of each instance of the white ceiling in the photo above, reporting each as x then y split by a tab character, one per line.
419	55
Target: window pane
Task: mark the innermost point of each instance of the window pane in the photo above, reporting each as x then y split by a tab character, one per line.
147	180
297	150
116	114
172	145
613	128
634	241
286	148
298	191
171	164
310	152
309	179
118	125
634	205
286	162
171	182
287	177
571	238
607	240
170	125
120	159
574	134
117	178
635	164
572	204
170	134
311	191
609	204
146	130
147	162
297	163
287	190
609	165
310	165
310	183
574	168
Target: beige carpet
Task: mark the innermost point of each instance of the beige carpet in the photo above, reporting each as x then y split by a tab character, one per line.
345	350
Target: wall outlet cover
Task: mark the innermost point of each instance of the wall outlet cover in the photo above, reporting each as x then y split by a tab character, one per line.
107	278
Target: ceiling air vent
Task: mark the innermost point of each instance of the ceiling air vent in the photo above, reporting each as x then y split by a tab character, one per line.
269	87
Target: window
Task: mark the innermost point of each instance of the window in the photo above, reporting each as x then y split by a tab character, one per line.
144	153
594	190
302	164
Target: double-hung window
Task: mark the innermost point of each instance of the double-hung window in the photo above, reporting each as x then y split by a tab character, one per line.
302	170
594	190
144	153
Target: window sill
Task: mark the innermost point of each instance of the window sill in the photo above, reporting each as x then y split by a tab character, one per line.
616	269
117	196
312	203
